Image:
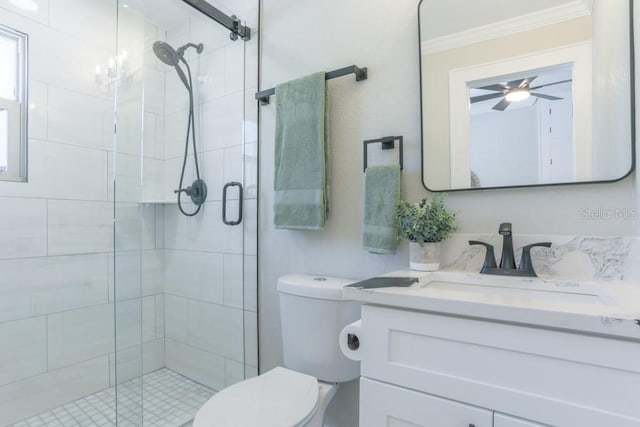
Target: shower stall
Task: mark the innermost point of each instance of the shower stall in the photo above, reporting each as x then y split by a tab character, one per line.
128	284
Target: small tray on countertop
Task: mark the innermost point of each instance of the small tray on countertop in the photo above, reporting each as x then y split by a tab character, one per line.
384	282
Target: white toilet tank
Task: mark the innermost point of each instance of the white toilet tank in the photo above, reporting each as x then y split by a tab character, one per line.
312	314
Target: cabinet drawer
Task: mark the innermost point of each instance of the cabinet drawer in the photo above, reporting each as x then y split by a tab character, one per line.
384	405
555	377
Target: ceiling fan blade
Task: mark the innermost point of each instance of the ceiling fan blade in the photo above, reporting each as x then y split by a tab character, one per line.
481	98
520	82
551	84
543	96
497	87
500	106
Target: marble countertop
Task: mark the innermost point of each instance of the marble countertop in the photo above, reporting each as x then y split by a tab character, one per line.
610	308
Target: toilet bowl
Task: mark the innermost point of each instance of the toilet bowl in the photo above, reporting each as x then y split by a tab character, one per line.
312	314
280	397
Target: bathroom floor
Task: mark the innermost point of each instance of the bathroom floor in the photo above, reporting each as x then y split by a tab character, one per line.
170	400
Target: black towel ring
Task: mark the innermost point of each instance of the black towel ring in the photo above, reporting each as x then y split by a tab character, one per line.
388	143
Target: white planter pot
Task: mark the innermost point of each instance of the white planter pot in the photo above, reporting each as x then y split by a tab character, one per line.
424	258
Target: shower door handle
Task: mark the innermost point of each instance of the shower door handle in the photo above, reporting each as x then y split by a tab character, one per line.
225	190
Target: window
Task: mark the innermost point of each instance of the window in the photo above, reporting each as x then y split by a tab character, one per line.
13	105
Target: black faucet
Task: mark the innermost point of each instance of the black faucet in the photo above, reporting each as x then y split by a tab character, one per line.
507	262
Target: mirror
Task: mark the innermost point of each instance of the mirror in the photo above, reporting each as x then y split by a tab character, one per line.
525	93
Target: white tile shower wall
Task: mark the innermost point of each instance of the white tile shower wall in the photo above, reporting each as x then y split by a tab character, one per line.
28	353
215	328
23	224
153	116
195	275
77	335
199	365
22	399
56	287
44	285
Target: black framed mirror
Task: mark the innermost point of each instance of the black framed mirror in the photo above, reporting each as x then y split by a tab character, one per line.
517	93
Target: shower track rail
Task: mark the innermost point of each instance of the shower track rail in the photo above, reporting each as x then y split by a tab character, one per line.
232	23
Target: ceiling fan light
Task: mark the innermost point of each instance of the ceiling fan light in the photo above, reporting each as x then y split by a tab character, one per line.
516	95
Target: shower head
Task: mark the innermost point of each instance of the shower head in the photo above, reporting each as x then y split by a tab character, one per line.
166	53
171	56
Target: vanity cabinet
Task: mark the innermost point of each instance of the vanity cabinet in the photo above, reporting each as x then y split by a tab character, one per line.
385	405
431	369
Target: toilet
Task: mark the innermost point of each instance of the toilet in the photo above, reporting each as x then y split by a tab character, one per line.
312	314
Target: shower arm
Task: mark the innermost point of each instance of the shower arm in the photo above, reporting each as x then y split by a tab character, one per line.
198	47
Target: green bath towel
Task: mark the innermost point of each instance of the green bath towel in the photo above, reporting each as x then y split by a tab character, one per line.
300	180
381	195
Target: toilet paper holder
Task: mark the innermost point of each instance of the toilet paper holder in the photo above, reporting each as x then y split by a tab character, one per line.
349	341
353	342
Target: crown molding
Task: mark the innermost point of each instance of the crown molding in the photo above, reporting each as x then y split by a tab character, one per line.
542	18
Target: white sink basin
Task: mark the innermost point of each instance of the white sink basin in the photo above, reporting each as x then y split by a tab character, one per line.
513	288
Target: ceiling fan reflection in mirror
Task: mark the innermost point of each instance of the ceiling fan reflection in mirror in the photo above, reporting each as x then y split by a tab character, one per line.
514	91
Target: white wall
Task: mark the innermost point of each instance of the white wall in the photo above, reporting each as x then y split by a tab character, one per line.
303	36
382	37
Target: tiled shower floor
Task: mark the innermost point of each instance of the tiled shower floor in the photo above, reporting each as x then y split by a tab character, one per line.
170	400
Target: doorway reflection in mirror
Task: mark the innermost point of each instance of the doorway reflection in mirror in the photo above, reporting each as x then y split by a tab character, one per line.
527	118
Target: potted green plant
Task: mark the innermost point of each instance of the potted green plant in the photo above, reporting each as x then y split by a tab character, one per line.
425	225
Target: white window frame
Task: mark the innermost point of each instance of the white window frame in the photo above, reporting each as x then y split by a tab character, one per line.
17	111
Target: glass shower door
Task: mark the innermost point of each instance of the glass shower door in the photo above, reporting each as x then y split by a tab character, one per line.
185	285
115	306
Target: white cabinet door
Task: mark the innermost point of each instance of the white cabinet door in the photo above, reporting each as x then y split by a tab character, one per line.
384	405
501	420
554	377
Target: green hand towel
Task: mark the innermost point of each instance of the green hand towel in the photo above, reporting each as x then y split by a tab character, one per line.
300	179
381	195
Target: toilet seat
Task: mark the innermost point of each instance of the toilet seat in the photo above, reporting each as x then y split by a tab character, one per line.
278	398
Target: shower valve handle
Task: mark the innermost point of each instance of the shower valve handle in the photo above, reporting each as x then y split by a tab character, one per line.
197	191
188	190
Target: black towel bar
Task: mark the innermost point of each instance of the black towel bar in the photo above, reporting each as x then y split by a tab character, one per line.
361	74
388	143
